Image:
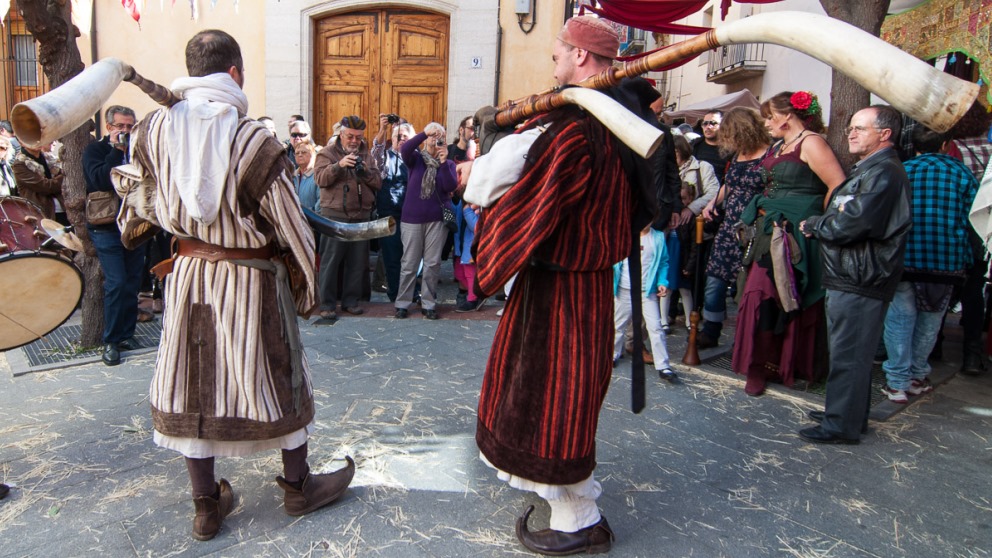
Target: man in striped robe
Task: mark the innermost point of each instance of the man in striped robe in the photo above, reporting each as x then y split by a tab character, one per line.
231	378
561	226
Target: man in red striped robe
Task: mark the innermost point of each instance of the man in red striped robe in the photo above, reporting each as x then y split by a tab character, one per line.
560	227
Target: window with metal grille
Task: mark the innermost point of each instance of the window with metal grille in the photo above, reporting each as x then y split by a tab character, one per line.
25	60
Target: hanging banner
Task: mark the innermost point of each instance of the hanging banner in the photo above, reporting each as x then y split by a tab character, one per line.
941	27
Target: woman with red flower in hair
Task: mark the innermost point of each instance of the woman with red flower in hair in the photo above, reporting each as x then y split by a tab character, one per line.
781	313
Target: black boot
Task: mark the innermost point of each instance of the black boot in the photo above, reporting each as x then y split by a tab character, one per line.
973	363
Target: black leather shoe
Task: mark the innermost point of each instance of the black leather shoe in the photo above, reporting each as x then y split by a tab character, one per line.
4	490
128	344
594	539
972	365
817	416
704	341
817	435
430	314
401	313
111	354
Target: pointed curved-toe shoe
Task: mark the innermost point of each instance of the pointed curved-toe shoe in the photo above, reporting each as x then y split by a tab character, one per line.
594	539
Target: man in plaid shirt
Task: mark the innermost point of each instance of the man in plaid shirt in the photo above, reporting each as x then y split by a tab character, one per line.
937	255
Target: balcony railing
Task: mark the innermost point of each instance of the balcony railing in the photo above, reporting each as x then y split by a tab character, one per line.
732	63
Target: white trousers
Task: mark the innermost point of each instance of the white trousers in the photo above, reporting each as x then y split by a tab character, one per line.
652	320
573	506
666	305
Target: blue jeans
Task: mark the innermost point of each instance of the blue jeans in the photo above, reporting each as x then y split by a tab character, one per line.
714	306
909	337
391	252
122	269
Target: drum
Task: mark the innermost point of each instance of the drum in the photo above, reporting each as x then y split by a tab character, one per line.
39	288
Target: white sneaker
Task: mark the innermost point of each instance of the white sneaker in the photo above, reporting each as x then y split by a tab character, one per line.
895	395
919	387
499	312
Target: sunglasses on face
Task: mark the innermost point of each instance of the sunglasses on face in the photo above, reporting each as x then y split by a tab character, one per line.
298	135
710	123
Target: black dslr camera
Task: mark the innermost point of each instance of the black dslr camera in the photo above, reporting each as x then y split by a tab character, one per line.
359	165
392	118
123	139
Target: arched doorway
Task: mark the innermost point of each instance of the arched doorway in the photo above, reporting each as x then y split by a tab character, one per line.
373	61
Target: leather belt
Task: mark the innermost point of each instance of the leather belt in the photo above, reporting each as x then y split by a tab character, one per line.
193	248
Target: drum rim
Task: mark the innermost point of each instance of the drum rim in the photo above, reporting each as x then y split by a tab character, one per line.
55	256
20	199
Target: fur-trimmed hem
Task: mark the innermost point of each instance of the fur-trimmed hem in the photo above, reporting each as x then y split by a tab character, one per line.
230	429
531	467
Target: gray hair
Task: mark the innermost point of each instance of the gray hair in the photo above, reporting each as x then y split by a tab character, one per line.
302	124
118	109
888	118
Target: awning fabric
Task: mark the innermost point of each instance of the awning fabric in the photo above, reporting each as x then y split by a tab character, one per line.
695	111
658	15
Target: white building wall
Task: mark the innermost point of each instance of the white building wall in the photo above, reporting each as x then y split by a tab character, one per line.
787	69
289	64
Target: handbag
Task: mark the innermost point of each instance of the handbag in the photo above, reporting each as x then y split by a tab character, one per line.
102	207
448	216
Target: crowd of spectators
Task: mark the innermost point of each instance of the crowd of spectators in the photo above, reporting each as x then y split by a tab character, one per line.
789	234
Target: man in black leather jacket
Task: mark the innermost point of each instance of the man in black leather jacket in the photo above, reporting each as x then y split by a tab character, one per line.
862	236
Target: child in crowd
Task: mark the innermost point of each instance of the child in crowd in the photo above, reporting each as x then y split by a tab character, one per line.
681	243
464	264
654	279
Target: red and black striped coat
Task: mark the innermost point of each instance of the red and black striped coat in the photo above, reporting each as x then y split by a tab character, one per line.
562	226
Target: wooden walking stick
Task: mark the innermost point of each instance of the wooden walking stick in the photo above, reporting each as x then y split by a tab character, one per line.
691	356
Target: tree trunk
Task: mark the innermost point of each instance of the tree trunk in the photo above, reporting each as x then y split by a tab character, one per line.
50	22
846	96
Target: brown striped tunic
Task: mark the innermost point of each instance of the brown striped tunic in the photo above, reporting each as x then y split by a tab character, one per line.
223	371
562	226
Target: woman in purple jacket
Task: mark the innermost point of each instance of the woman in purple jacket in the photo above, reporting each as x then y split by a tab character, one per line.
431	182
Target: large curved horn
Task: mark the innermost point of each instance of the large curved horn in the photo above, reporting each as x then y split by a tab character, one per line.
641	137
930	96
47	118
912	86
351	231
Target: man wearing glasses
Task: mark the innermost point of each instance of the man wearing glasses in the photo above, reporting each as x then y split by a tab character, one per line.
862	234
122	268
348	178
707	149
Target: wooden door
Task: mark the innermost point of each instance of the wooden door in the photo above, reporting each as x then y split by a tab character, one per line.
369	62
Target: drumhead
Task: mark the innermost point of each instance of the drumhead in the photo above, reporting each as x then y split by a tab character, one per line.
38	293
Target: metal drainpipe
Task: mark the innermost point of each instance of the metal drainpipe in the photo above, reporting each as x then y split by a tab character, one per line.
499	58
93	59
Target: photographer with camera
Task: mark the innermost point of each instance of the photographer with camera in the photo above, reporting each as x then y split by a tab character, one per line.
389	201
422	225
348	179
122	268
